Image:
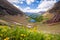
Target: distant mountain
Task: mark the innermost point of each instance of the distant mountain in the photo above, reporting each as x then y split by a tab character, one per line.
28	13
41	12
36	14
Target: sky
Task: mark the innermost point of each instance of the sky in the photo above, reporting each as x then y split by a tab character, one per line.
33	6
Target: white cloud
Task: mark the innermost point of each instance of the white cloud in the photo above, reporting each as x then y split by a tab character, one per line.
34	10
28	9
46	5
21	2
15	1
29	1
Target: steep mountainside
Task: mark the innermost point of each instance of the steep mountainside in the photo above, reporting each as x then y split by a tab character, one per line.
55	10
10	13
7	8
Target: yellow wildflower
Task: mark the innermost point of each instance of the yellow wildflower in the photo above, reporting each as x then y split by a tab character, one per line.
22	34
6	38
33	30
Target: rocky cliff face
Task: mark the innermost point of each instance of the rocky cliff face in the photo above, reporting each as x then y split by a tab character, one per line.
56	11
7	8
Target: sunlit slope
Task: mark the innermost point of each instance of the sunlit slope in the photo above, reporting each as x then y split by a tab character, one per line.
48	15
15	19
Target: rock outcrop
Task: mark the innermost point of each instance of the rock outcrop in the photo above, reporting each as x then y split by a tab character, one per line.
56	11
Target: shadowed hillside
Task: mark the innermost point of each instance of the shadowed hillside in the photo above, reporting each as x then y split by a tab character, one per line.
10	13
7	8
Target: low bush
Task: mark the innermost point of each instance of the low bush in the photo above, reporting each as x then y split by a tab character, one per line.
21	33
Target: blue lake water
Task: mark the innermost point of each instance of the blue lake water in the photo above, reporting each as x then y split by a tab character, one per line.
32	15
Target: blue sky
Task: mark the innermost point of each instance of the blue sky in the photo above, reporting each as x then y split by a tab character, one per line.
34	6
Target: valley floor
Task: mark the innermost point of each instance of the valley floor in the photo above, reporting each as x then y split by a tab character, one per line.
47	28
50	28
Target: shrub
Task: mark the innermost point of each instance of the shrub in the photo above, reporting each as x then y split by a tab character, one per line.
37	18
21	33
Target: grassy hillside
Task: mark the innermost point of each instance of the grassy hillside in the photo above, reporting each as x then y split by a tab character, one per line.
13	19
